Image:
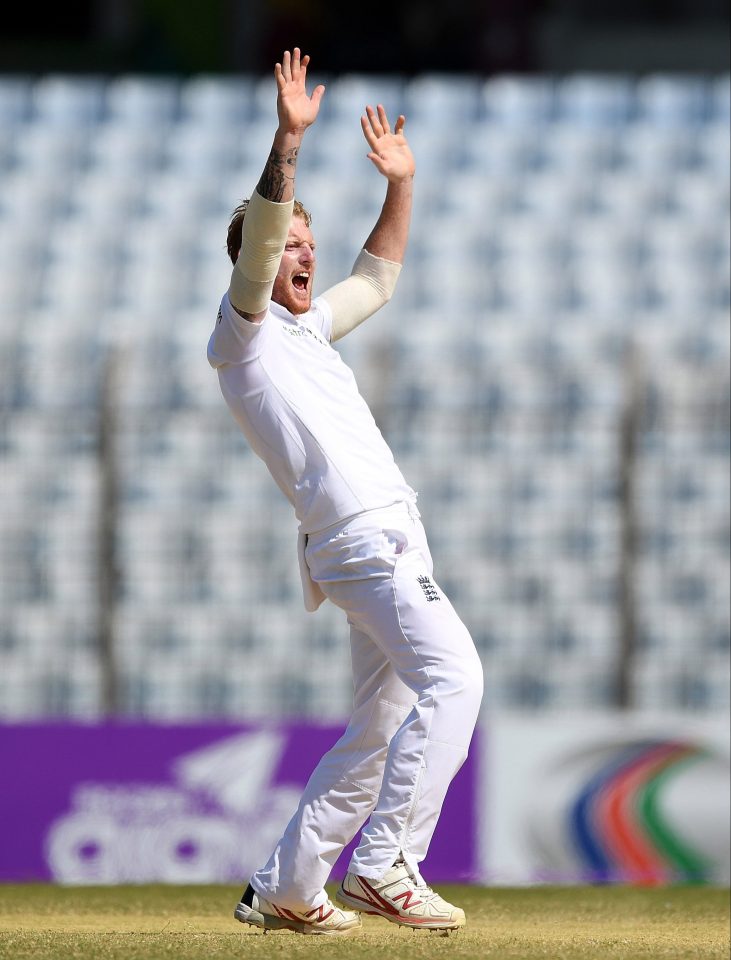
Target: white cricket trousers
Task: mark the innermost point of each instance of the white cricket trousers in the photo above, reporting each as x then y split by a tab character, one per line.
417	691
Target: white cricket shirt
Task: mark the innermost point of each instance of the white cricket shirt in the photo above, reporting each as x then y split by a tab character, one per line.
299	407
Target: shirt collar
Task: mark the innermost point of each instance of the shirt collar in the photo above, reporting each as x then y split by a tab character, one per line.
279	311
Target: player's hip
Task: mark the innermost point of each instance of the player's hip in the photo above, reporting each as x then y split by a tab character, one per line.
367	545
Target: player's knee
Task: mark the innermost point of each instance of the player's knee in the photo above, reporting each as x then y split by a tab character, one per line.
462	683
472	682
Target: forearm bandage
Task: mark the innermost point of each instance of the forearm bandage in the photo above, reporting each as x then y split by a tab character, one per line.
263	237
369	286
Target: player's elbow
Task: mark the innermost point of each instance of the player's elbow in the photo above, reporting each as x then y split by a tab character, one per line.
386	295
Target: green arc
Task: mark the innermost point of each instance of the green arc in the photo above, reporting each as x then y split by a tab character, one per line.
686	862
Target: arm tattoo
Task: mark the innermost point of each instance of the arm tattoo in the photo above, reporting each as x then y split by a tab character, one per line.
279	168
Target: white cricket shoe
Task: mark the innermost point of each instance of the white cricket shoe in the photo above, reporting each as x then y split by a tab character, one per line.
401	896
327	919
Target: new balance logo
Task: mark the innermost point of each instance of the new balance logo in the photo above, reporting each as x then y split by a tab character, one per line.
430	591
318	915
408	894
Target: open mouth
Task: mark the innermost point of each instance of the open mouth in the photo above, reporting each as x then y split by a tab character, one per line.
300	281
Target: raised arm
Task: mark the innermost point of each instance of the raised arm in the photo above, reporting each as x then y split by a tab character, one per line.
373	279
392	157
269	211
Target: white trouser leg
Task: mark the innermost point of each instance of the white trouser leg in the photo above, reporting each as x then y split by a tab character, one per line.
344	787
429	647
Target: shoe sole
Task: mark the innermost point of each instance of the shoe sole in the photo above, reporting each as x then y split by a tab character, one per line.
352	904
267	921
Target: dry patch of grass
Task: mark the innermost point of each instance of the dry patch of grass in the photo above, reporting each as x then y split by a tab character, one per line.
196	923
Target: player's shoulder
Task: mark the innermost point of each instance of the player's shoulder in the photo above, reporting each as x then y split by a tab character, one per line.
320	307
235	339
228	313
321	317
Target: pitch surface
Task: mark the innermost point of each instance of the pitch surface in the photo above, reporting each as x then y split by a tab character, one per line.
196	923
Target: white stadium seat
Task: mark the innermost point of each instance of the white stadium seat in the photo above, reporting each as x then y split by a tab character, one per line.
15	99
138	100
68	100
519	101
596	99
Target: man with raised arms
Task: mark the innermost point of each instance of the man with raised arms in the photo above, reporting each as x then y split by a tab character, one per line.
416	674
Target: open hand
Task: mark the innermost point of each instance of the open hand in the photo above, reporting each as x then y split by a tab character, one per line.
390	152
295	109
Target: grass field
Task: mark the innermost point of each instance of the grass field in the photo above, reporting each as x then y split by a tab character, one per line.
196	923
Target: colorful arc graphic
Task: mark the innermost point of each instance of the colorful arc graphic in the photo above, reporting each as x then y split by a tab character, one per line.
616	821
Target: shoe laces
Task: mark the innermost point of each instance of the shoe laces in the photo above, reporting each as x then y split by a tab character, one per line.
416	878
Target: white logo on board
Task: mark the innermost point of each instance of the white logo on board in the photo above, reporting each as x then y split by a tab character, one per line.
217	823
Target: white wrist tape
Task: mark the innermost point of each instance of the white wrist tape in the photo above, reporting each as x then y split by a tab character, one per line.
264	235
369	286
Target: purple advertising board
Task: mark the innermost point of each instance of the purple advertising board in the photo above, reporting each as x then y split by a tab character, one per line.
137	802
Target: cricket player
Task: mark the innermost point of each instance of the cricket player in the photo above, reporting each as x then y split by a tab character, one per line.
416	674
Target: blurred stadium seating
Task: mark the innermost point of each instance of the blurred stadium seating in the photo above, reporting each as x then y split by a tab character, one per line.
568	275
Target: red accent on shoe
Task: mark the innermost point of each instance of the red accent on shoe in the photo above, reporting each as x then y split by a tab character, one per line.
320	918
290	915
383	907
406	897
375	898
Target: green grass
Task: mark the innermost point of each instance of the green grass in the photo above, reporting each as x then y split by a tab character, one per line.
196	923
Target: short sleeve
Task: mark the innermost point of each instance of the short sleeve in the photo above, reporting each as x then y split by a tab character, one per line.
234	339
322	317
